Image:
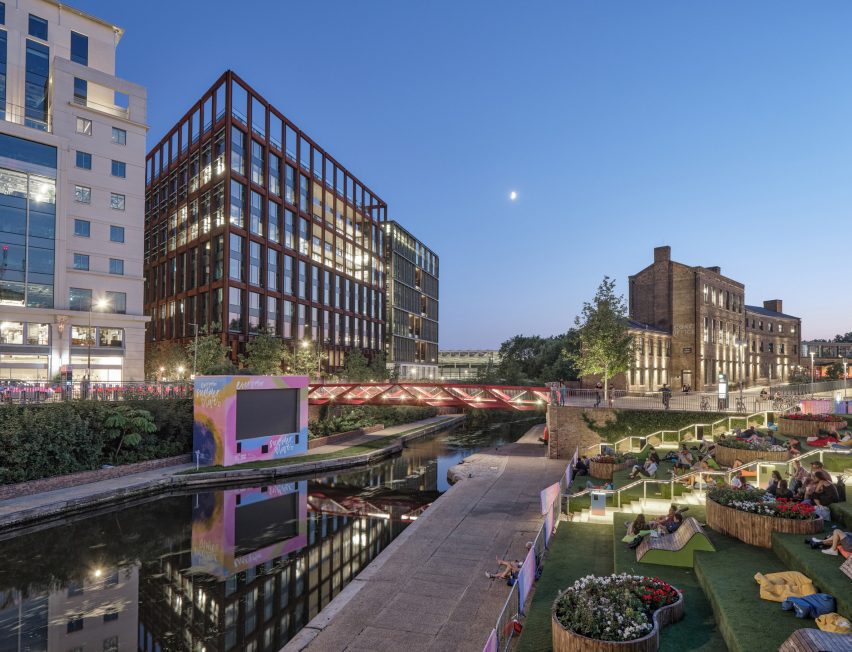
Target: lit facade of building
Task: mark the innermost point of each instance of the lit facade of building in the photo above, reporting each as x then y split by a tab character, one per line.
466	364
691	323
826	354
72	151
250	224
412	305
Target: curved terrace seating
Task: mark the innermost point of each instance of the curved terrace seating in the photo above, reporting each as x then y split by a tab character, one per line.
676	549
814	640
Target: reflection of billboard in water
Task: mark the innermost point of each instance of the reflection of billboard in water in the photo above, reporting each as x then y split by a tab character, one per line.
241	419
240	528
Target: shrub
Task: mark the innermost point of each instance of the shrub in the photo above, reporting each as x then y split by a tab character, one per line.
40	441
746	445
614	458
614	607
640	423
821	418
756	501
364	416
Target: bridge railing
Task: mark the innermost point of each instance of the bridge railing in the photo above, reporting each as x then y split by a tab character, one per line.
35	393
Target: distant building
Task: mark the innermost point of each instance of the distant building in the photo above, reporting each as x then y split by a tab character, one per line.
691	323
412	305
466	364
826	354
72	153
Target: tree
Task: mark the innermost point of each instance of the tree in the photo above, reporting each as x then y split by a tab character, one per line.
213	355
356	368
534	359
379	368
128	425
304	361
834	371
264	353
170	357
843	338
605	346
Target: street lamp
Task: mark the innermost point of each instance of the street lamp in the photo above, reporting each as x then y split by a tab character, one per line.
100	304
741	345
812	373
180	371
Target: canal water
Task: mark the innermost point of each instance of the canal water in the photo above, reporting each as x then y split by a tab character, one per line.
241	568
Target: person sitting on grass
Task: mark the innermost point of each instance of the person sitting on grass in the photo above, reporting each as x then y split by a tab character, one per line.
845	441
606	486
797	476
738	482
792	445
582	466
653	456
648	469
684	459
822	490
838	539
670	522
638	525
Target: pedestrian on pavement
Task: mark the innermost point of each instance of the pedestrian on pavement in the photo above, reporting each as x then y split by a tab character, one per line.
666	395
563	393
598	395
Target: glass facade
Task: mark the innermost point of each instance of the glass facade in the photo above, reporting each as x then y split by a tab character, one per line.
35	84
27	227
234	157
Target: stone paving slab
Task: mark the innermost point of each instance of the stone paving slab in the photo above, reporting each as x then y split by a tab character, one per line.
428	589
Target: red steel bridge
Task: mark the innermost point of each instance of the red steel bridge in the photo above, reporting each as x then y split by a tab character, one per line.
498	397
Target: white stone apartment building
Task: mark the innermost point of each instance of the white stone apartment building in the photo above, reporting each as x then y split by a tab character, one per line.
72	155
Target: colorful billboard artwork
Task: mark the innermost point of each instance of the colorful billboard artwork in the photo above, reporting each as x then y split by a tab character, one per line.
241	419
236	529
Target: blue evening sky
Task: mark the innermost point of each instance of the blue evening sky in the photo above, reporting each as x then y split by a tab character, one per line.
723	129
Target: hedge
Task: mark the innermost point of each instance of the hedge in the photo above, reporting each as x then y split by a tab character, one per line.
364	416
639	423
40	441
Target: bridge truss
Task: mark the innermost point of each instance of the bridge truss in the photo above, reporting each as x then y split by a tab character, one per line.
433	394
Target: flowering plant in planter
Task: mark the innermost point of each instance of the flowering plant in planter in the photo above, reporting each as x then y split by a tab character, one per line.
822	418
744	444
613	458
613	607
756	501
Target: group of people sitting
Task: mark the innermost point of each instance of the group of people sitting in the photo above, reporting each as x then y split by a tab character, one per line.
640	527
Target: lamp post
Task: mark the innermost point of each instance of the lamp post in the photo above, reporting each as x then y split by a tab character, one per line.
741	345
195	352
812	373
99	305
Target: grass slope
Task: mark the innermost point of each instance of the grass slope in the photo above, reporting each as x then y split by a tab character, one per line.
577	550
747	623
697	630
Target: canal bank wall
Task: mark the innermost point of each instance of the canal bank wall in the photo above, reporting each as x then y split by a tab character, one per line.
428	589
28	510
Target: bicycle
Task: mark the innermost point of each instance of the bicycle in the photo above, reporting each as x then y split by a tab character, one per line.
705	404
741	406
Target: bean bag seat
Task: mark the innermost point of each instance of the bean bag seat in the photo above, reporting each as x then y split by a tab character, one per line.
834	623
821	441
777	587
810	606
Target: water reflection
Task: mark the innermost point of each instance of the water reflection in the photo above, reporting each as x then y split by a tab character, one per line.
235	569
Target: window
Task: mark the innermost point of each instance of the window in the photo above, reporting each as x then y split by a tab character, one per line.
110	616
84	126
82	228
83	194
119	169
116	266
119	136
257	158
38	27
238	151
238	203
81	262
116	233
236	264
116	201
254	312
79	299
254	263
84	160
36	85
12	332
38	334
271	269
79	49
81	90
272	229
235	310
2	13
113	337
116	302
274	174
111	643
256	213
75	624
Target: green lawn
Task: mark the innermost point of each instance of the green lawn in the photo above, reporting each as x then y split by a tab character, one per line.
577	550
358	449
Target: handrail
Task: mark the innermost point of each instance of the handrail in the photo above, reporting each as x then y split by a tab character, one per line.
696	472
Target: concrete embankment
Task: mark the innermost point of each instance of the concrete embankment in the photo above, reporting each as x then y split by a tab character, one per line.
23	511
428	589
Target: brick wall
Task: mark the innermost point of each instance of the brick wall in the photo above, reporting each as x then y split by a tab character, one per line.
568	429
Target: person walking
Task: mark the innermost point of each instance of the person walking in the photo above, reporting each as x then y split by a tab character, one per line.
666	396
598	395
563	393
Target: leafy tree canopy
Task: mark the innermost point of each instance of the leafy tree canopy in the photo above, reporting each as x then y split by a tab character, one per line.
264	353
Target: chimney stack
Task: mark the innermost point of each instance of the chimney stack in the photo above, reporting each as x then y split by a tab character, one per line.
662	254
773	304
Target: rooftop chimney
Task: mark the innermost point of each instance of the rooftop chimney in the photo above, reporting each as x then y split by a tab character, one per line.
662	254
773	304
716	269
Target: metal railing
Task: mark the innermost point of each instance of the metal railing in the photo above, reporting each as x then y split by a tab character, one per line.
676	479
674	401
35	393
18	114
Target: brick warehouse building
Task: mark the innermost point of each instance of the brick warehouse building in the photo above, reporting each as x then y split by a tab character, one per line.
697	324
249	223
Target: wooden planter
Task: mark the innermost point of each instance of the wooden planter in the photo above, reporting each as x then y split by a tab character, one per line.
725	455
755	529
803	428
604	470
567	641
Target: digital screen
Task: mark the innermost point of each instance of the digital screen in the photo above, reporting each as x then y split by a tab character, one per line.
266	522
267	412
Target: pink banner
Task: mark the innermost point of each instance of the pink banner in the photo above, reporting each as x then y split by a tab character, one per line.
525	579
491	643
548	495
548	527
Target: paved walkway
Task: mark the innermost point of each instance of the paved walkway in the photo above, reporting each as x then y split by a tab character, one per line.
428	590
